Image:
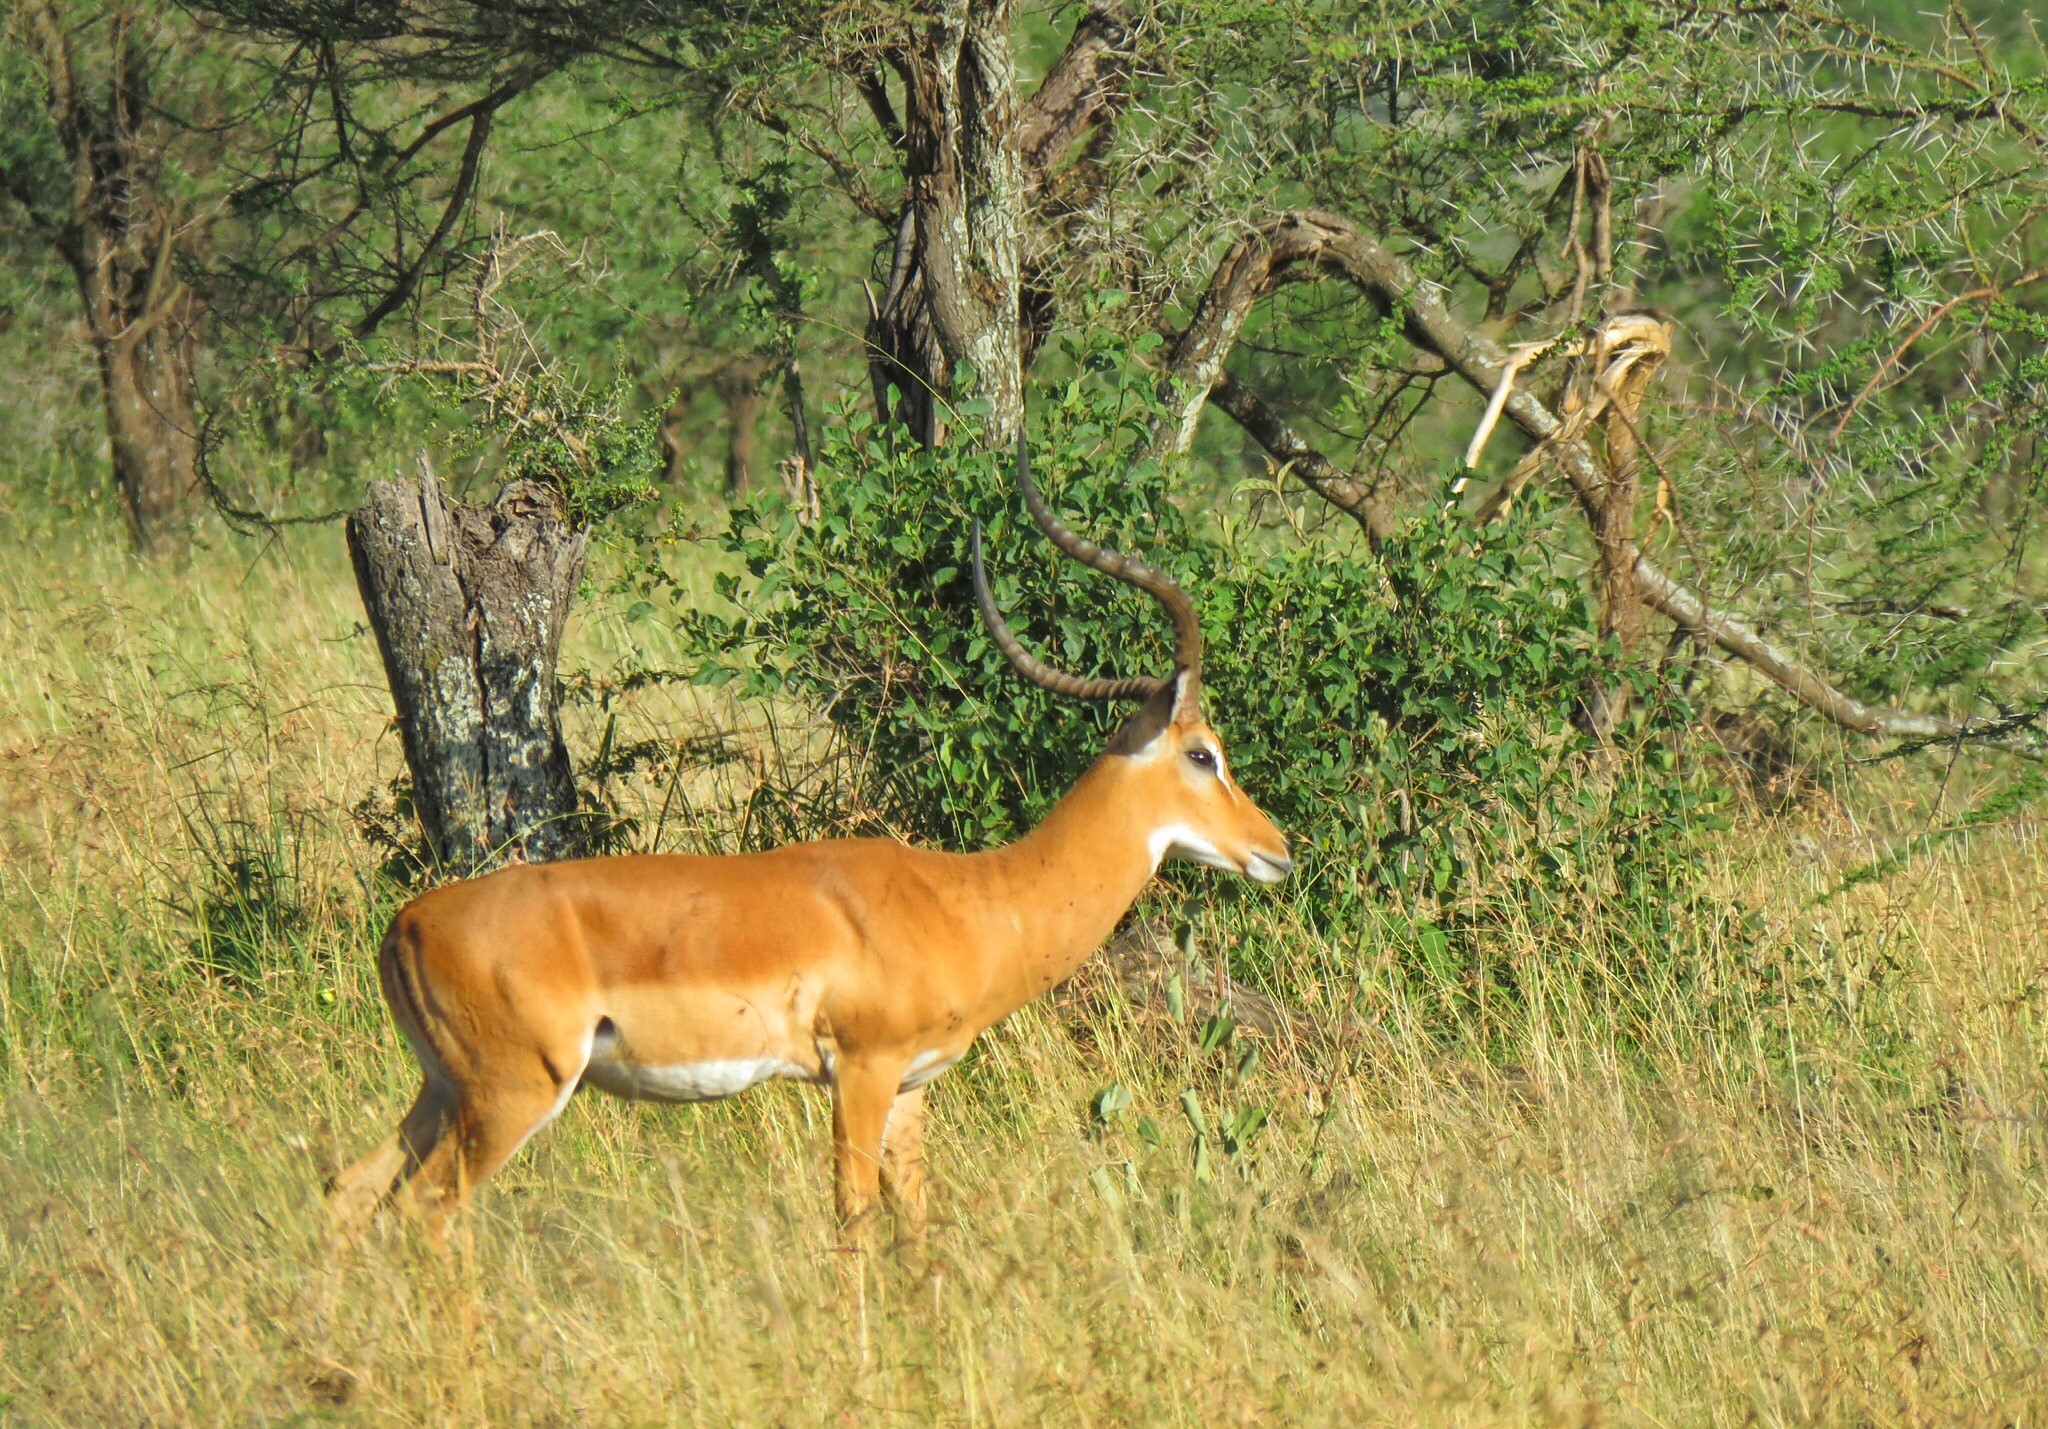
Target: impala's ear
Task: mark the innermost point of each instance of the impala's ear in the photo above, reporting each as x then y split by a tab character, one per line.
1150	721
1187	696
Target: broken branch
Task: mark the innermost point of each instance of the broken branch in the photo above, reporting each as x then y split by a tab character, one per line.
1339	246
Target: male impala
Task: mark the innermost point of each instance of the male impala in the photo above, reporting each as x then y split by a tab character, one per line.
863	964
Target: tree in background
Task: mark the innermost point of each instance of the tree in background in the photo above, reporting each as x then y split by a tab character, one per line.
96	164
1384	242
1328	211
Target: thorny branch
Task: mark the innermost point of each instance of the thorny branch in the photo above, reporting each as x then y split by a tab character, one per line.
1337	246
1920	330
505	371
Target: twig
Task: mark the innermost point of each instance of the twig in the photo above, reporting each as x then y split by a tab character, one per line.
1920	330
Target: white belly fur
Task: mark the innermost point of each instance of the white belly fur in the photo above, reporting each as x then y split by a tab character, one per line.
925	1067
714	1081
690	1081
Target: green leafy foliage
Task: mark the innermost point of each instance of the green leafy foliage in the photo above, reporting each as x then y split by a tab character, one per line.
1410	719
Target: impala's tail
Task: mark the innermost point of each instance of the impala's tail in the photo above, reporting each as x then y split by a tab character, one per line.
398	970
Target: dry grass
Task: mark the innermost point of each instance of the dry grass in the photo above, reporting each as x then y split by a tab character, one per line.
1806	1191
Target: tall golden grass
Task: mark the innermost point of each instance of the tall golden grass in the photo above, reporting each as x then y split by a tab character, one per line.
1802	1184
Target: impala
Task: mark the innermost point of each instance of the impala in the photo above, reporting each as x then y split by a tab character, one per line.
865	965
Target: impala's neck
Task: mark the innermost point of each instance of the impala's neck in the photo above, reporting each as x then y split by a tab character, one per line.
1057	893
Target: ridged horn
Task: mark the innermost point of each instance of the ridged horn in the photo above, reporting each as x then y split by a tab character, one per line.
1187	628
1045	676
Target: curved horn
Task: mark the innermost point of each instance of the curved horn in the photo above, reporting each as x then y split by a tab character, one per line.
1187	627
1036	670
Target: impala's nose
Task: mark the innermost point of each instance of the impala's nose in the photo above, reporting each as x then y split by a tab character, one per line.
1269	867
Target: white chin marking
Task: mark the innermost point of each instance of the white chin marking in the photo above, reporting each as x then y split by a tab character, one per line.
1180	841
1263	871
688	1081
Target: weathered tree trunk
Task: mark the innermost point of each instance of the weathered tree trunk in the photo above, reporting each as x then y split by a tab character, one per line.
152	432
958	292
117	229
469	605
953	298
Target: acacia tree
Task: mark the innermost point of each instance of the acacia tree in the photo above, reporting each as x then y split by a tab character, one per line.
1824	184
1695	315
1478	177
91	166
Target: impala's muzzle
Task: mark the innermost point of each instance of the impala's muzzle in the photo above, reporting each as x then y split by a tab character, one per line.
1268	867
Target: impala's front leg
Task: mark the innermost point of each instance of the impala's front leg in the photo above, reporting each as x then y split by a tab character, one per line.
862	1095
903	1160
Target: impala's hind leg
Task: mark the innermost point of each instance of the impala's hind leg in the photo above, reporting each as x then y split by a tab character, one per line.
490	1120
356	1193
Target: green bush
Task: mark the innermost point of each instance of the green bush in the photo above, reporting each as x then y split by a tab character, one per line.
1407	718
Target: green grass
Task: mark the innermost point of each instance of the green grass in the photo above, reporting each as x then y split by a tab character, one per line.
1802	1183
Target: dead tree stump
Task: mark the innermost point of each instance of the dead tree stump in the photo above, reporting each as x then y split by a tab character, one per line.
468	604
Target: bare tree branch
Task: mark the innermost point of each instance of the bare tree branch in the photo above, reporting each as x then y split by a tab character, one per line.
458	200
875	91
1316	471
1255	266
1080	90
1431	324
1247	274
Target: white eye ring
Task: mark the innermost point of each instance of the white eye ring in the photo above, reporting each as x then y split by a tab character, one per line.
1202	759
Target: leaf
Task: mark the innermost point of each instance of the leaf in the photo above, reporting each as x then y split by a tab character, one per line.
1436	951
1242	1125
1247	1062
1109	1103
1215	1033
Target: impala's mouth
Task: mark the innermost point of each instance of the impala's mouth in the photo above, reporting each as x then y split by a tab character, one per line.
1267	867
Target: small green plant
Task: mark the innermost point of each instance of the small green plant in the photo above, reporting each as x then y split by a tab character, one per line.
248	902
1233	1128
1213	1067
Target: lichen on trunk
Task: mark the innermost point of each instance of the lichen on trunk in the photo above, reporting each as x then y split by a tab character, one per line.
469	605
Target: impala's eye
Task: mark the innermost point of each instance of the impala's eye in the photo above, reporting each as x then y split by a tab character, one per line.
1202	759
